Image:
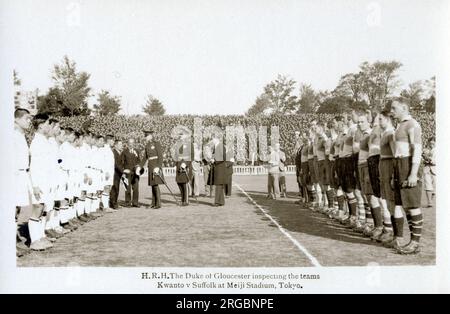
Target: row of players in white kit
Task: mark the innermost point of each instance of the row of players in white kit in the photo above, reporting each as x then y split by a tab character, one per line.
65	176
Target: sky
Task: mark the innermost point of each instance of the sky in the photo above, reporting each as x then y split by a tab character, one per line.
215	57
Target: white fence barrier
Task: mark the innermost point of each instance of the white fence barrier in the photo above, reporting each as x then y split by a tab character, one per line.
237	170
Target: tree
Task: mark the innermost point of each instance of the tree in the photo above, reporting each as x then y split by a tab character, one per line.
107	104
350	85
359	105
429	88
309	99
279	94
335	104
413	95
379	81
73	88
153	107
51	103
430	104
262	103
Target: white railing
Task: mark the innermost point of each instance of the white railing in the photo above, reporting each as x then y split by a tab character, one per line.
237	170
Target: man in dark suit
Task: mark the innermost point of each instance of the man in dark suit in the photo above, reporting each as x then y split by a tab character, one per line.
153	154
118	172
132	170
208	170
220	170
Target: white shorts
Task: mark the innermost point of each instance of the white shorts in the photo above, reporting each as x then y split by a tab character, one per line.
110	180
83	185
94	175
47	197
62	188
74	183
100	180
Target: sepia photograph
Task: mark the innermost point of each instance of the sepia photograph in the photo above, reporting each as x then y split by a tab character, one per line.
264	145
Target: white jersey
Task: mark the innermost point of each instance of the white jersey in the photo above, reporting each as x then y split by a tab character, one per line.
83	164
95	164
58	176
77	172
40	169
21	162
89	163
66	155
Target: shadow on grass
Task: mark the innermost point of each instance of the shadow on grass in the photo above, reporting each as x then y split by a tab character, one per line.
298	218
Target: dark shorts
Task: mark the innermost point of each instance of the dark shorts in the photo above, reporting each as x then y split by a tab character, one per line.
364	179
406	197
334	183
374	174
347	174
386	168
338	171
305	175
314	177
324	171
355	163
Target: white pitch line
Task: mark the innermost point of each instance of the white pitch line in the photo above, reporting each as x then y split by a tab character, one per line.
311	258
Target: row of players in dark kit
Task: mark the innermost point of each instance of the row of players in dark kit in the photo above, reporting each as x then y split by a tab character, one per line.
365	170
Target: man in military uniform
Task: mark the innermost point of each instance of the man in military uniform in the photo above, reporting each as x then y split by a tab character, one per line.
132	170
153	155
183	158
